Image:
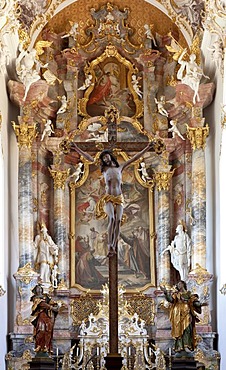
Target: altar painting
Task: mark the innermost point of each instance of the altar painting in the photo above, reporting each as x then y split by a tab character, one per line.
89	261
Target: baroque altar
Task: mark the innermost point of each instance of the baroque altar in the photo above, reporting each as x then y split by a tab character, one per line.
103	84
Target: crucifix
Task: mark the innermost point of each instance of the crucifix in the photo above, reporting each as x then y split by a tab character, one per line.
112	206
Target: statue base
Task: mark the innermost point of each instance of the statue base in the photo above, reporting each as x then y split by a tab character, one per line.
113	361
42	361
184	363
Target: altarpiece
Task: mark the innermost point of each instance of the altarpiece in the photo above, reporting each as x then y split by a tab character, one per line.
110	81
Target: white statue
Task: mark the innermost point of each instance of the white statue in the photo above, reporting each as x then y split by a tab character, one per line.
160	106
174	129
135	83
180	251
54	276
47	254
144	175
190	73
47	129
63	106
87	83
149	34
217	53
28	68
73	31
77	173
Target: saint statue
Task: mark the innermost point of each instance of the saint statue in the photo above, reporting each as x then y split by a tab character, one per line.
183	317
44	310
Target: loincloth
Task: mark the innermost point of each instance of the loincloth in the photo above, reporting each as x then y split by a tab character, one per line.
114	199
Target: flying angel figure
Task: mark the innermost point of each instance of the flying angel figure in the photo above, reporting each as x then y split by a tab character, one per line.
174	129
77	173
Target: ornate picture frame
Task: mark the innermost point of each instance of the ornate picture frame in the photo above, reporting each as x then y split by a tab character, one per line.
88	236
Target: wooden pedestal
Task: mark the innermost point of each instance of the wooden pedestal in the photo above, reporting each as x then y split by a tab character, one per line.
42	362
113	361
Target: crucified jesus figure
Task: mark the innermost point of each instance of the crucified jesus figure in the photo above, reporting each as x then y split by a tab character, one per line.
112	200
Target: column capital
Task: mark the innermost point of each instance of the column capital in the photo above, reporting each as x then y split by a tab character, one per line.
197	136
59	177
163	180
25	133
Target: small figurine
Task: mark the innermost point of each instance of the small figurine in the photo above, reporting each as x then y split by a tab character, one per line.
63	106
160	106
87	83
47	130
148	33
144	175
175	131
77	173
73	31
136	86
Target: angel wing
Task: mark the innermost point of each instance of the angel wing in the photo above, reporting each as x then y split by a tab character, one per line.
174	48
195	49
50	77
42	44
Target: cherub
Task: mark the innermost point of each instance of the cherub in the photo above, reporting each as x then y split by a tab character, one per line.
160	106
136	86
63	106
77	173
148	33
174	129
73	31
88	82
47	130
144	175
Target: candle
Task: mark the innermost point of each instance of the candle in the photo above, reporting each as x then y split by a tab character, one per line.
129	351
98	351
149	351
57	351
77	352
170	351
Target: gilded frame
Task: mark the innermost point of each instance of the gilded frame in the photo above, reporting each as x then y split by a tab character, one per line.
148	189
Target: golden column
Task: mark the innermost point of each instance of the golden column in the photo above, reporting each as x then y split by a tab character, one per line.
60	230
197	137
25	132
163	180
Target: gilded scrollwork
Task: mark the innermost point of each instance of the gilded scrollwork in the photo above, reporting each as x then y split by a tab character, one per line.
59	177
142	305
163	180
25	134
197	136
82	307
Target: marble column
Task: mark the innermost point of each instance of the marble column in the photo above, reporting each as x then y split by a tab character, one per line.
197	137
60	229
163	181
26	133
